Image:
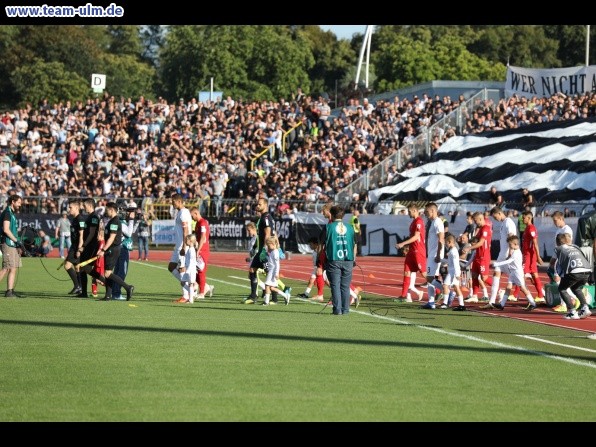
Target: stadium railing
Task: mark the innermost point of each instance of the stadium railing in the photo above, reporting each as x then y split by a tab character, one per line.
419	149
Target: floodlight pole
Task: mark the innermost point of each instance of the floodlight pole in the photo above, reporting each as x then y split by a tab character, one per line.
365	47
587	45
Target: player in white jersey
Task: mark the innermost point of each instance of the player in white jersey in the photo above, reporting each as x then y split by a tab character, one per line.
187	269
453	277
182	228
514	263
508	228
435	250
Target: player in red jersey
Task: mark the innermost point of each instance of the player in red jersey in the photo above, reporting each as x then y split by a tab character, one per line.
531	254
416	256
202	234
481	263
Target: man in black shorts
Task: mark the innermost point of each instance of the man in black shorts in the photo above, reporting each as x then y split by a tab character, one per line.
87	246
265	228
77	228
111	253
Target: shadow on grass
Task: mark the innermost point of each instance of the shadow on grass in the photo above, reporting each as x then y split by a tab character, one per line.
284	337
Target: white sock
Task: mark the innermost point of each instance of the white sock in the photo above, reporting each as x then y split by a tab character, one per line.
494	289
431	293
353	293
413	282
186	291
504	299
460	299
530	299
267	296
307	291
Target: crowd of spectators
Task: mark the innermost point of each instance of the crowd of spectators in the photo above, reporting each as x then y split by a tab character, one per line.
230	149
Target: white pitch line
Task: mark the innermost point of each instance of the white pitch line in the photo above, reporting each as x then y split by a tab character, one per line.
441	331
555	343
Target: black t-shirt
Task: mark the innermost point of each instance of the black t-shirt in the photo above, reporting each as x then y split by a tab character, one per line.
92	221
114	227
265	221
76	223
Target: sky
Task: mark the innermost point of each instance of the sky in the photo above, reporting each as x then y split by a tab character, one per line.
344	31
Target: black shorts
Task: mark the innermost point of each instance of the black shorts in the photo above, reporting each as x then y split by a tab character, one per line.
88	252
111	257
256	262
71	256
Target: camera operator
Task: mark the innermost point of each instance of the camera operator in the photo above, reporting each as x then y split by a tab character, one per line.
11	259
143	231
127	222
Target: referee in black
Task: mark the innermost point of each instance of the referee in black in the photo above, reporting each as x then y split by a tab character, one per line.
88	244
111	253
77	228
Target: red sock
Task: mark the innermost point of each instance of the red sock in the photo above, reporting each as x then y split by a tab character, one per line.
475	286
404	290
538	284
489	281
320	284
515	291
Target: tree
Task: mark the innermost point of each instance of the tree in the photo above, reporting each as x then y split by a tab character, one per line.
257	62
126	76
50	80
572	43
402	61
333	58
457	63
524	46
125	39
152	39
67	44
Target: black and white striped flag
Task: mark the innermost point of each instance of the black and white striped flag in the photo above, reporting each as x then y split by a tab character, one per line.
556	161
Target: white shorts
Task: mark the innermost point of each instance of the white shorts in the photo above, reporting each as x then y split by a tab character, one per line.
432	267
502	257
451	281
187	277
270	280
517	279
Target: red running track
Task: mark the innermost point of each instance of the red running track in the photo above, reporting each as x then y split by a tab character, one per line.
382	276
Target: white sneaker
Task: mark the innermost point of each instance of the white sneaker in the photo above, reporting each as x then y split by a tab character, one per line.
471	299
420	295
200	296
211	287
584	312
592	336
408	298
191	299
572	316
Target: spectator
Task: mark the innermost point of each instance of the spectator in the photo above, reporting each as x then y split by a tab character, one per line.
143	234
45	244
496	198
63	233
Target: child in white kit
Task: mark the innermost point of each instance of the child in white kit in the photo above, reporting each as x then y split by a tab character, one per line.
188	268
452	279
273	266
514	262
